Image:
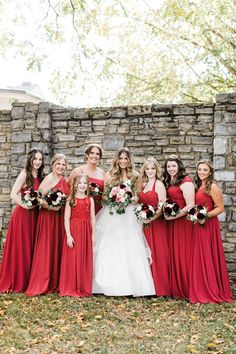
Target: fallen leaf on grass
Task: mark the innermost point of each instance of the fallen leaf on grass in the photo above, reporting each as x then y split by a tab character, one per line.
98	317
211	345
81	343
219	340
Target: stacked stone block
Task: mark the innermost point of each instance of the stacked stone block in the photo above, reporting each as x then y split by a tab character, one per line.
192	131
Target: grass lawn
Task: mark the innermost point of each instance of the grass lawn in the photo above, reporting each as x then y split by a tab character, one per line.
99	324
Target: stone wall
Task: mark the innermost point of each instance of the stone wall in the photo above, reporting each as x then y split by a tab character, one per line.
192	131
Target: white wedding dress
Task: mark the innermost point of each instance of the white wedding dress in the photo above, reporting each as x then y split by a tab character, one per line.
121	256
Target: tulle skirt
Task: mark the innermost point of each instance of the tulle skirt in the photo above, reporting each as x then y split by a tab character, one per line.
121	256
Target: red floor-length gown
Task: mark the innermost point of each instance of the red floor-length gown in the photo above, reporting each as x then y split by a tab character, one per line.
97	198
18	251
209	281
77	262
157	238
50	236
180	244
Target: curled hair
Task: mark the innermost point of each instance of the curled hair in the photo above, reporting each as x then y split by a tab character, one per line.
89	149
180	174
144	167
210	179
57	157
74	186
115	170
29	167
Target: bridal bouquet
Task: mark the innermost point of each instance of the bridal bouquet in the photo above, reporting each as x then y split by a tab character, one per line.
118	197
169	208
31	197
144	212
55	198
94	189
197	214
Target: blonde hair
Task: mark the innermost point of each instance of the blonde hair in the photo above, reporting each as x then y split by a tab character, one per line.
115	171
74	186
57	157
144	167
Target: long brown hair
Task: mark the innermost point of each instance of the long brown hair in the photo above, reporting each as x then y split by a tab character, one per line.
210	179
74	186
115	171
90	148
180	174
29	167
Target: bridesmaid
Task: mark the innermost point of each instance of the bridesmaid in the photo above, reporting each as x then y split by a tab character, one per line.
50	234
93	155
180	190
209	282
153	192
18	251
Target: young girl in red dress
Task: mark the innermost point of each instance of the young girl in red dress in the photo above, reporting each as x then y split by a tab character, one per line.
18	251
77	257
153	192
50	233
209	281
92	157
180	190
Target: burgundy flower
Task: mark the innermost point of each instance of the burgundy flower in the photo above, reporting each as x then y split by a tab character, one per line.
145	207
149	214
201	216
192	211
122	186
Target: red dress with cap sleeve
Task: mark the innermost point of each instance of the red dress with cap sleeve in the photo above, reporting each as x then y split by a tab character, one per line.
180	244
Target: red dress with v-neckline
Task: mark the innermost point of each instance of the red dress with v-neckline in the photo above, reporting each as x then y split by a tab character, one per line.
209	281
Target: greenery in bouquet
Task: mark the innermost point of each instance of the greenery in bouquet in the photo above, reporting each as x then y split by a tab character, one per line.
118	197
94	189
31	197
169	208
55	198
144	212
197	214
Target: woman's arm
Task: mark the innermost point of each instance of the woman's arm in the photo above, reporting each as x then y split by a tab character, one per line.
19	183
189	197
92	218
70	241
75	172
46	185
217	196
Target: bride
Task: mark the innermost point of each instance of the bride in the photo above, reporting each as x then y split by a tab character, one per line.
121	254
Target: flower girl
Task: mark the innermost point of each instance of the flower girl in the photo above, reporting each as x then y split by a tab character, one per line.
77	256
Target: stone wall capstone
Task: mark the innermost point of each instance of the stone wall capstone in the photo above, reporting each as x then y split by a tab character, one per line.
192	131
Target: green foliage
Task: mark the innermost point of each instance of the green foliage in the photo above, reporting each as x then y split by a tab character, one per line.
130	52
